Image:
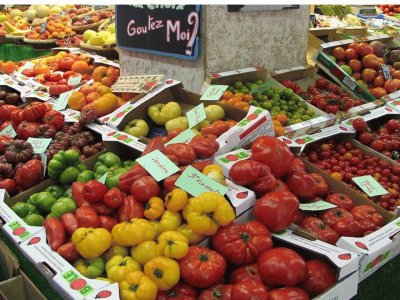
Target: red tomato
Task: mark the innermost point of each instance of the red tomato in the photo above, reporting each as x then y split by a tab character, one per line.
366	212
276	210
331	216
339	53
264	185
321	83
87	217
377	145
359	125
249	272
321	276
202	267
217	292
26	130
282	266
8	184
292	293
350	54
130	209
322	185
180	291
144	188
184	153
34	112
320	229
169	182
113	198
107	222
331	109
349	227
274	153
340	200
54	118
366	138
297	164
242	244
280	186
303	185
6	110
393	125
29	174
247	172
249	290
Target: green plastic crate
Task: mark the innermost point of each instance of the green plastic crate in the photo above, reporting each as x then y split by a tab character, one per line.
18	53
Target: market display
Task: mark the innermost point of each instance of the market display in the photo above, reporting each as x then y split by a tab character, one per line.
277	188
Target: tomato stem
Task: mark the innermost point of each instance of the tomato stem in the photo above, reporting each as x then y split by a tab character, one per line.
134	287
158	273
203	257
245	236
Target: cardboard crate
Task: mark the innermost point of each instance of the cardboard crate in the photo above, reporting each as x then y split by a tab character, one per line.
375	249
305	76
20	287
252	74
9	265
250	125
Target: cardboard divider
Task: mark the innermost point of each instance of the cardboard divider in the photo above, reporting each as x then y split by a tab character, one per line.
9	265
20	288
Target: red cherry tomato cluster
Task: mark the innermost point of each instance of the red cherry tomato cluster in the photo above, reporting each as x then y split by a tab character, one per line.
389	9
325	95
343	161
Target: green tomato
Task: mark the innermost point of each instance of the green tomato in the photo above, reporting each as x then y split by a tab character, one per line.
248	85
287	93
23	209
253	86
238	85
71	157
259	82
45	201
85	176
258	96
267	105
177	123
56	190
109	159
62	206
137	127
214	112
161	113
245	90
90	268
69	175
34	220
231	88
305	118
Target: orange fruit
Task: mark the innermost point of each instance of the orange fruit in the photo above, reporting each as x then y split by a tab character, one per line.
240	95
279	131
282	118
248	97
92	97
86	89
8	67
227	95
77	100
41	69
80	67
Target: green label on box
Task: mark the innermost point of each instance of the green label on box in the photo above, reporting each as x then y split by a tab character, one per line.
315	206
61	102
74	80
214	92
103	178
77	283
183	137
234	157
195	183
158	165
370	186
9	131
196	115
39	145
19	230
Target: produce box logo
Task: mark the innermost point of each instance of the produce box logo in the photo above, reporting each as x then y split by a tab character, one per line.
120	137
305	140
34	240
250	118
344	256
242	195
121	113
76	283
234	157
19	230
103	294
377	260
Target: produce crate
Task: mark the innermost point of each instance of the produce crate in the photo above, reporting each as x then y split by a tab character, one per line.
252	74
256	122
9	265
305	76
18	87
375	249
20	287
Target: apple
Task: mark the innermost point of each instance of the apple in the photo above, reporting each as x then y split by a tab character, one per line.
96	40
137	127
111	28
104	34
214	113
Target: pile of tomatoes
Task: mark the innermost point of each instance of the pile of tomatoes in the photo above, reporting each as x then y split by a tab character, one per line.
389	9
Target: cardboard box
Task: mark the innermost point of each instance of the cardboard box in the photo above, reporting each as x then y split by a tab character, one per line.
256	122
20	288
305	76
60	273
252	74
9	265
22	89
108	292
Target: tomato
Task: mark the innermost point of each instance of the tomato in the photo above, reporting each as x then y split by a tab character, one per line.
107	222
220	291
183	152
377	145
26	130
297	165
331	216
113	198
280	186
286	293
249	290
169	182
263	185
321	83
248	272
276	210
144	188
322	185
320	229
366	212
321	276
54	118
34	112
274	153
302	185
365	138
29	174
340	200
247	172
339	53
242	244
349	227
202	267
393	125
359	125
180	291
282	266
6	110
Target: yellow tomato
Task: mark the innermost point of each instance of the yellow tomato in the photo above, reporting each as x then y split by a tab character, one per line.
173	244
163	271
154	208
176	200
145	251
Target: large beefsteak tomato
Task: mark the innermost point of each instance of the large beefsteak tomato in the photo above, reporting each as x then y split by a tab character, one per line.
321	276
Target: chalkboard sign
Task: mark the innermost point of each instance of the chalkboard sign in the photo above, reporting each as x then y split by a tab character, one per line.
167	30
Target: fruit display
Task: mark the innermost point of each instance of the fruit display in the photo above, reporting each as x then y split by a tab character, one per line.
344	161
384	140
92	18
103	37
49	31
7	67
390	10
365	63
325	95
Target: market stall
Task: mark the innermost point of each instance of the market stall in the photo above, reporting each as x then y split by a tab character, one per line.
118	185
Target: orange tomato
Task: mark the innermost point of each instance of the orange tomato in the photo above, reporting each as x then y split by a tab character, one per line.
227	95
337	176
240	95
77	100
282	118
276	123
8	67
248	97
279	131
80	66
41	69
92	97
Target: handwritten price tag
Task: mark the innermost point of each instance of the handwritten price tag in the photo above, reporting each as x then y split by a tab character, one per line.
195	183
158	165
43	158
39	145
315	206
103	178
183	137
74	80
196	115
61	102
9	130
214	92
370	186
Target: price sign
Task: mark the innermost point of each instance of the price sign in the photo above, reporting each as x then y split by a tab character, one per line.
74	80
39	145
316	206
62	101
214	92
158	165
9	131
103	178
183	137
370	186
386	72
196	115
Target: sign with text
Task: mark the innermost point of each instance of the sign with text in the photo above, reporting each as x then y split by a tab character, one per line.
62	101
74	80
370	186
158	165
167	30
9	130
184	137
39	145
194	182
214	92
316	206
196	115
